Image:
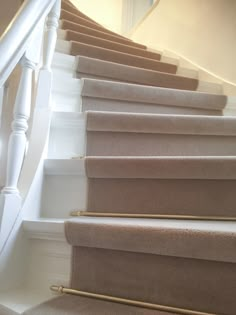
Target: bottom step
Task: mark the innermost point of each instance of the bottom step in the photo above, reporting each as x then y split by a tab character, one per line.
74	305
187	266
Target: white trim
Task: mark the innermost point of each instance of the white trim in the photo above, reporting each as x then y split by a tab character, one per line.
1	104
127	15
65	167
131	31
63	46
45	229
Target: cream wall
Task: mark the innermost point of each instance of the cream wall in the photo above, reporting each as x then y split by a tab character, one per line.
203	31
106	12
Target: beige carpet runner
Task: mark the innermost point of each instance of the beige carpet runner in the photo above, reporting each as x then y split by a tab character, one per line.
155	148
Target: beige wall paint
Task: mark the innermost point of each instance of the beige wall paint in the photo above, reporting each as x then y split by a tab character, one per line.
106	12
7	11
203	31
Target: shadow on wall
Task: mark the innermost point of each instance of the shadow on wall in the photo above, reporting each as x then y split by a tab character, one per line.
106	12
8	10
202	31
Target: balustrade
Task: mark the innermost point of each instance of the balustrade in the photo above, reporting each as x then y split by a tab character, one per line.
18	140
23	103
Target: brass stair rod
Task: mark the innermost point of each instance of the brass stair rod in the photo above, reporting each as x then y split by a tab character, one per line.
150	216
108	298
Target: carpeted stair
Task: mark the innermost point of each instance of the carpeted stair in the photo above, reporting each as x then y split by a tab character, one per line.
105	43
81	20
119	72
98	52
130	134
157	262
173	186
78	28
123	97
161	174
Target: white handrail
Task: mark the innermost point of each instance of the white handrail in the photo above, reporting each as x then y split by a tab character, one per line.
16	38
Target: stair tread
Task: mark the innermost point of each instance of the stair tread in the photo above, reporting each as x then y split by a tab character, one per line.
93	51
160	123
80	17
68	6
149	94
66	15
68	25
110	44
75	305
132	74
183	238
162	167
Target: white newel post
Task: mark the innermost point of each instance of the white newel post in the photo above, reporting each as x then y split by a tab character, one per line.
18	140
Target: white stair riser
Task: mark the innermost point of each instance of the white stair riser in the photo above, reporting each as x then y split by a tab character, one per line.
63	65
210	87
66	94
67	136
63	194
49	263
63	46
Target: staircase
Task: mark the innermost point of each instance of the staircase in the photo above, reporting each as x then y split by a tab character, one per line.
141	153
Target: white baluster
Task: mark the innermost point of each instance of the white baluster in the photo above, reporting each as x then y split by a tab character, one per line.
51	34
45	75
17	142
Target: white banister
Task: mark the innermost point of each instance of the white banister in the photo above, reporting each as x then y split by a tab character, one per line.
18	140
45	75
1	104
23	35
22	42
51	34
16	38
